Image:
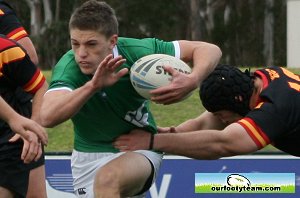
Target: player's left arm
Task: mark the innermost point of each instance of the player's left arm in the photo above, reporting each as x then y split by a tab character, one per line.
202	144
207	144
203	58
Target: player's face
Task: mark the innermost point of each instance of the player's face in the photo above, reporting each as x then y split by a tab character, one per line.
227	117
90	48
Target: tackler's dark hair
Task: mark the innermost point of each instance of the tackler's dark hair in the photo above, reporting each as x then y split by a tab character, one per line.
227	88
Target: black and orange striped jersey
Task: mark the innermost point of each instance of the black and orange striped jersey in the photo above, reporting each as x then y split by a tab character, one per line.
9	23
16	68
17	73
276	117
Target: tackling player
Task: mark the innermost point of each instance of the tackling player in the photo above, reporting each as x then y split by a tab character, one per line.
17	72
13	29
244	114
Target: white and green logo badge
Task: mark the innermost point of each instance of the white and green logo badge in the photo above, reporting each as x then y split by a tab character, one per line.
245	183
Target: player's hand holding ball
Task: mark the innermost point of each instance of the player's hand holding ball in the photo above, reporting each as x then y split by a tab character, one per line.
161	78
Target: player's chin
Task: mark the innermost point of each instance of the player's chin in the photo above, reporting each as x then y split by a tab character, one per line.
87	70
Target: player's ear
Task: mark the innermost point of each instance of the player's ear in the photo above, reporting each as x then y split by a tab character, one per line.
113	41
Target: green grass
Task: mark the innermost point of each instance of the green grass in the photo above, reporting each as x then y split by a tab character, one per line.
61	136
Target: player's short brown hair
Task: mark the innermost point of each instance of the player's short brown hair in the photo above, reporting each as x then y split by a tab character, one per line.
96	16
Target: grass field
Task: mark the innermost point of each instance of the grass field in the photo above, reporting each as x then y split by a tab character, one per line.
61	136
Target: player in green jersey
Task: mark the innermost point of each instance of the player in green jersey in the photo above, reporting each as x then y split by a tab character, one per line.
91	86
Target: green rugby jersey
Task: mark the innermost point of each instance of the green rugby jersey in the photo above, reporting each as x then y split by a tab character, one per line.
114	110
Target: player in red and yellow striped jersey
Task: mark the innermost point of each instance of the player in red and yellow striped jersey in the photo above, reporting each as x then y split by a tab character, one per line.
17	71
244	114
13	29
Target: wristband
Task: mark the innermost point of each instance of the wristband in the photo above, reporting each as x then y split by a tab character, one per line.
151	142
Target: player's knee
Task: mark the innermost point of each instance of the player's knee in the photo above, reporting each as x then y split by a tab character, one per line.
107	177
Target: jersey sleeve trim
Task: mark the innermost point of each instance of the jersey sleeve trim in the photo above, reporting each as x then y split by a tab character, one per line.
255	132
35	83
59	89
17	34
177	49
263	77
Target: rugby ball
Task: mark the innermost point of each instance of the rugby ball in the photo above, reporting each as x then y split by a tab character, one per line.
238	180
148	73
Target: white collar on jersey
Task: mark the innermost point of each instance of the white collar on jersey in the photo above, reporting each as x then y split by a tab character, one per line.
115	51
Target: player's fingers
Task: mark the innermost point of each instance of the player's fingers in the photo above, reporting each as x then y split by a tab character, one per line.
105	61
163	129
161	91
41	133
25	151
32	152
170	70
32	148
118	64
122	72
39	152
166	98
115	60
17	137
118	143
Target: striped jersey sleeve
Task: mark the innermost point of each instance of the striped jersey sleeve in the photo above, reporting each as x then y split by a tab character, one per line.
255	132
17	68
9	23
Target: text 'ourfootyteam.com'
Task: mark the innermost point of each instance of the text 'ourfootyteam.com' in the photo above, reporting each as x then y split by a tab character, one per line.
244	188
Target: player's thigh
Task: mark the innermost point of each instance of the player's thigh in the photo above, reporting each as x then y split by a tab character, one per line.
131	166
37	183
128	172
5	193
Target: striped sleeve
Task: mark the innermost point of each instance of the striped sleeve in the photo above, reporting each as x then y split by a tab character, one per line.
10	25
11	54
18	67
17	34
35	83
255	132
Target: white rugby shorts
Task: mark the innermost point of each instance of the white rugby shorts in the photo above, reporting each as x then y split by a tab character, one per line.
85	165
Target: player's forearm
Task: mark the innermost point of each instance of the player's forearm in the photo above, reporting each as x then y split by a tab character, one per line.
37	102
189	125
205	58
6	112
191	144
60	106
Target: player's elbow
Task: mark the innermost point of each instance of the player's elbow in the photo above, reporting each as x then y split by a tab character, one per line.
46	123
47	120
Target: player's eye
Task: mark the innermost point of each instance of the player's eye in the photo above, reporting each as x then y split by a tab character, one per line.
75	44
92	44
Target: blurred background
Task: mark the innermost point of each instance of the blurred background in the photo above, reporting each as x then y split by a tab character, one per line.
249	32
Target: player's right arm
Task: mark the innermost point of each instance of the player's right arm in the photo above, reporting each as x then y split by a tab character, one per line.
60	105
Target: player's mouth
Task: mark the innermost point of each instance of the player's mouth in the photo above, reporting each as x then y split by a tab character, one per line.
84	64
